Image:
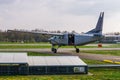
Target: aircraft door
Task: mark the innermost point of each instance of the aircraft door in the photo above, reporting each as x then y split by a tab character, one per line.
71	39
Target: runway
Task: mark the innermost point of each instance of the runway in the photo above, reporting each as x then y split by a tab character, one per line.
70	51
59	50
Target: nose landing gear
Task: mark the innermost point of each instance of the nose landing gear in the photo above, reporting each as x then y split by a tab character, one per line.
77	49
54	50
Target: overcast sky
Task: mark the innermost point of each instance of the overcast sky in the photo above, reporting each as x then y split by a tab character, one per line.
78	15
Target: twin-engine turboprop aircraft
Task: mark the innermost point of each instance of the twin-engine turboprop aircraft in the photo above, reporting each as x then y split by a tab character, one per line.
75	39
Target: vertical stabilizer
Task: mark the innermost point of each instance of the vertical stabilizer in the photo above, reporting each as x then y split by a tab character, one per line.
99	26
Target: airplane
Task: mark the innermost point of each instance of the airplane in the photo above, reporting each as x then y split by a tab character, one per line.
75	39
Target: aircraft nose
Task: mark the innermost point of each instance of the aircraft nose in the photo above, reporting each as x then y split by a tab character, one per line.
50	39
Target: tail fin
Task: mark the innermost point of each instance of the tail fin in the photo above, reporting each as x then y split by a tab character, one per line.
99	25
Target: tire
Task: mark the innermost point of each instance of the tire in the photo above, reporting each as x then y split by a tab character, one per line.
55	51
77	50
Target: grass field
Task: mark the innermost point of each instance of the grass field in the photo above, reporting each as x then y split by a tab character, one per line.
47	45
113	46
104	52
37	46
97	74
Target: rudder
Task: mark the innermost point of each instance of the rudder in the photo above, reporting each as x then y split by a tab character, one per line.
99	25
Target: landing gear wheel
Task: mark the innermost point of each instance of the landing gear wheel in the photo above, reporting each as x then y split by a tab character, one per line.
77	50
54	50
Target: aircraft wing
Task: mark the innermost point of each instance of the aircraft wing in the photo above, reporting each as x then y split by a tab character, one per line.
48	33
37	32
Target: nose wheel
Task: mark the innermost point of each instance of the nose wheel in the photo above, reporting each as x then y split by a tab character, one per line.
77	50
54	50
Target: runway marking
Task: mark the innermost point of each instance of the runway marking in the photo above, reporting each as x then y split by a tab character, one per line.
116	62
110	61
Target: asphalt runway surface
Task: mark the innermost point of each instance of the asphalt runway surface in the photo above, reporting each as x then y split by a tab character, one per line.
70	52
59	50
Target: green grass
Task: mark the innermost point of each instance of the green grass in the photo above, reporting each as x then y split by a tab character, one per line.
88	61
113	46
22	46
105	73
104	52
46	45
98	74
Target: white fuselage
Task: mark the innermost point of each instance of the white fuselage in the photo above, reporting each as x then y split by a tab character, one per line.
74	39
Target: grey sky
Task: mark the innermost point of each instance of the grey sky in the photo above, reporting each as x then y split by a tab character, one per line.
78	15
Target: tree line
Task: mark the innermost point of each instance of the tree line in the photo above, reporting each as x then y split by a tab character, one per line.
16	36
26	36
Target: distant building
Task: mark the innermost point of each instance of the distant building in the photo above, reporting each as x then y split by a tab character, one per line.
111	39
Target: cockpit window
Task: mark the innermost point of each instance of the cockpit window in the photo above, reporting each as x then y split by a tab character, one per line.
58	37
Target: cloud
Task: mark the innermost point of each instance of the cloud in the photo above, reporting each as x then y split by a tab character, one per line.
3	2
57	14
